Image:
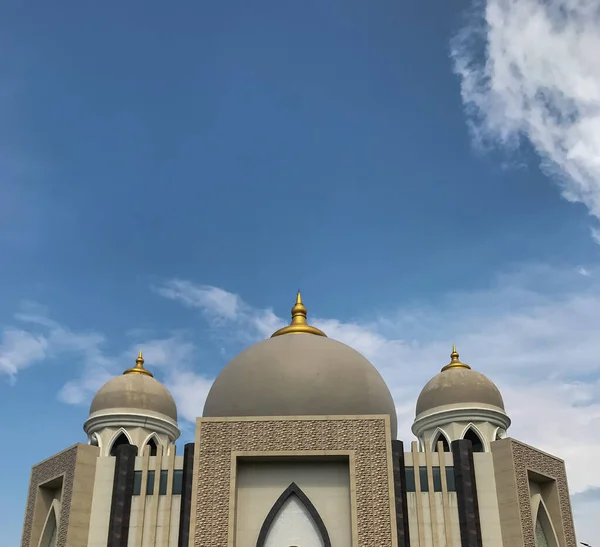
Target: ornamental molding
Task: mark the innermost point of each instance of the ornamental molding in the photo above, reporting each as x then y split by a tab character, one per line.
460	414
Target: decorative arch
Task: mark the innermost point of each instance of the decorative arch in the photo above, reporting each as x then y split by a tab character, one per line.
499	434
95	440
473	434
545	534
48	537
293	490
153	442
440	435
120	437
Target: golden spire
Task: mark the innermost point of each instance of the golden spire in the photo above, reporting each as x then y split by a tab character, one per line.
454	361
139	367
299	324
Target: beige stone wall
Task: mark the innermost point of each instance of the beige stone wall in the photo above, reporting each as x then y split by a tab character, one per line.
432	516
73	472
215	461
515	464
259	485
489	514
154	519
101	502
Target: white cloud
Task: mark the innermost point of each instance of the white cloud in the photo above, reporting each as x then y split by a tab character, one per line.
211	299
20	349
586	508
38	337
222	308
529	70
190	390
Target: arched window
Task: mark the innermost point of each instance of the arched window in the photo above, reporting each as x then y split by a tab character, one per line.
475	440
120	440
441	437
293	520
153	447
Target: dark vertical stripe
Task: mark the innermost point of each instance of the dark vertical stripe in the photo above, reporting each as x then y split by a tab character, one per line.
120	508
466	494
186	496
400	494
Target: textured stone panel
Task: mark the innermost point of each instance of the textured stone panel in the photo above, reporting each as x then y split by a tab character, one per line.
61	464
365	436
527	458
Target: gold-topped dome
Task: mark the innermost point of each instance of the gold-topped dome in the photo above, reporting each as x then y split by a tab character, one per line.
299	323
454	361
139	367
457	384
136	390
291	375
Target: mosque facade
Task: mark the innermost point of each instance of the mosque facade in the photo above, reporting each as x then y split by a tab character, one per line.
297	447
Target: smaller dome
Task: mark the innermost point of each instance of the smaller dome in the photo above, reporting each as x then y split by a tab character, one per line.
457	383
135	389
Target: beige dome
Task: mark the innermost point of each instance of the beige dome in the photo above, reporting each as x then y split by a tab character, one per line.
299	372
136	389
458	383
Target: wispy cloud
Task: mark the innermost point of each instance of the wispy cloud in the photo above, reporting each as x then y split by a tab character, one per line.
529	70
20	349
222	308
38	337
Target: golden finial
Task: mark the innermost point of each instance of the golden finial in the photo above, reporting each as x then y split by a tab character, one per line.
299	323
454	361
139	367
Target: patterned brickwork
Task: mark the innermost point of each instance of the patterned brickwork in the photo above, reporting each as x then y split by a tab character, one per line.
216	440
61	464
526	459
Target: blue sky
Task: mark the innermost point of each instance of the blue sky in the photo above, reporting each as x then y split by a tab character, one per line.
169	177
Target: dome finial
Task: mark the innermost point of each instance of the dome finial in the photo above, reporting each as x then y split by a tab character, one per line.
299	323
454	360
139	367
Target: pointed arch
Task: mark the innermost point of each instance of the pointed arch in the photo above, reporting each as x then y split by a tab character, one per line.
440	435
50	530
473	434
119	438
293	490
499	434
95	440
153	442
545	534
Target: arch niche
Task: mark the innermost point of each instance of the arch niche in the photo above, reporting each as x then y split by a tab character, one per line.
293	521
439	436
120	440
476	439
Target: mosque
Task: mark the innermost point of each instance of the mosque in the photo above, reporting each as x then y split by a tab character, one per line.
297	447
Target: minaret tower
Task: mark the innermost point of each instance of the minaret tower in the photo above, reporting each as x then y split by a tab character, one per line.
133	408
460	403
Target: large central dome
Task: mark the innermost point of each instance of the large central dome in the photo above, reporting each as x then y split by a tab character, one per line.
300	372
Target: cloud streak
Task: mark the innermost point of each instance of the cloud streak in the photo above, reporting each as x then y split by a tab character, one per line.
529	72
